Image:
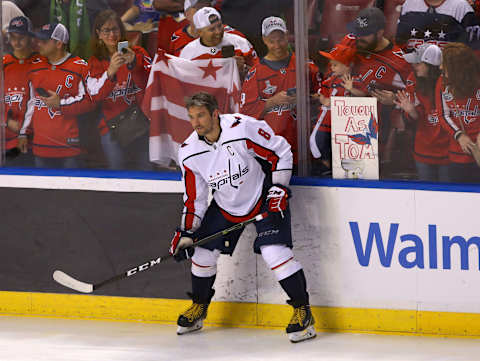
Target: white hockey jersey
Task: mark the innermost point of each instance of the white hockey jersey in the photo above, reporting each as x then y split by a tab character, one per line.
228	167
242	47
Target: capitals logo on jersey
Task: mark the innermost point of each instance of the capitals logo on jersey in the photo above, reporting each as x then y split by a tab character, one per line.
15	96
125	90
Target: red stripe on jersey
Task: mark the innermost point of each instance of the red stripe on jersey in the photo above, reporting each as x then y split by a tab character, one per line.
264	153
237	219
281	264
191	193
198	265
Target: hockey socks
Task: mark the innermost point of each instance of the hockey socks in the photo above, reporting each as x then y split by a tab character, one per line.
296	288
300	327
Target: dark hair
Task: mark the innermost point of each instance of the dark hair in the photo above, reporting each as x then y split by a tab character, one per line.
98	47
426	85
202	99
462	69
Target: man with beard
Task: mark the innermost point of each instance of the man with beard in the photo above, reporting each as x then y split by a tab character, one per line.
382	71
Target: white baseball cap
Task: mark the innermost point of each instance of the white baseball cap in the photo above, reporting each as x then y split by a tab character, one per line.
206	17
273	23
427	53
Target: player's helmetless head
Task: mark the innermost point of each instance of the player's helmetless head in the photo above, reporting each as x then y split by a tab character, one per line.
204	115
277	45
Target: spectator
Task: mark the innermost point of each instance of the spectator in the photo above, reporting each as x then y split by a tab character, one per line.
340	82
57	96
171	19
188	33
383	70
458	101
117	81
213	41
9	11
16	66
73	14
269	90
418	102
142	15
437	22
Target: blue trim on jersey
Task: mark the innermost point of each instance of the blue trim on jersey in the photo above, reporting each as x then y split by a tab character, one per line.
296	181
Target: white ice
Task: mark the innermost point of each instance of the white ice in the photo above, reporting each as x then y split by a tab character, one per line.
42	339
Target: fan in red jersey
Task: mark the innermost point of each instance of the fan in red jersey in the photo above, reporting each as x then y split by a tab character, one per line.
117	82
58	94
382	71
188	33
16	66
418	103
458	99
341	82
269	89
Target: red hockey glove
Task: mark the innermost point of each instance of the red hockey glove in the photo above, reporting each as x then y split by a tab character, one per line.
181	246
277	199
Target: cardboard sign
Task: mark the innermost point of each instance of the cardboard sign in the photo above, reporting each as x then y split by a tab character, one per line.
354	138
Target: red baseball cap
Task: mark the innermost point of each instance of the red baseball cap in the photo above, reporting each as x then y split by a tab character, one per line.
341	53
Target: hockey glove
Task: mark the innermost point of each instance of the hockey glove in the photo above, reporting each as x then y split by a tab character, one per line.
277	199
181	246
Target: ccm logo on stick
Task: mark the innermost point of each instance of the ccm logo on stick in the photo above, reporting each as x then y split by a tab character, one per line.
144	266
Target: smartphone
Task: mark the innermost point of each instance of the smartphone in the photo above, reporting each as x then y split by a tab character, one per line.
42	92
228	51
122	46
291	92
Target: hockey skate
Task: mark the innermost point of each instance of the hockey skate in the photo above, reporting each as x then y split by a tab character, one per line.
192	319
301	326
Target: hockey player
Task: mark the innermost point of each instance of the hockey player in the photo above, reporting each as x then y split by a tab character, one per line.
16	66
222	155
213	42
268	91
57	94
189	33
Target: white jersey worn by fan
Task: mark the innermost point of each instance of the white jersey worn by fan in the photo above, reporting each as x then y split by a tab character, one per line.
195	50
229	168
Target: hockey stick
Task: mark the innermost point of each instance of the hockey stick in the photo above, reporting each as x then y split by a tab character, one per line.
70	282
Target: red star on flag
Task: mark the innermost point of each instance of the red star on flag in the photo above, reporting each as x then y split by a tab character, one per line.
161	56
210	69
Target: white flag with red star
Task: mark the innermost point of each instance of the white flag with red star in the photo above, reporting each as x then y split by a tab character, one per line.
171	80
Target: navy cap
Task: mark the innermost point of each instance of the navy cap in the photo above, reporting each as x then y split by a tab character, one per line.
20	25
367	22
53	31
